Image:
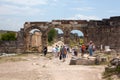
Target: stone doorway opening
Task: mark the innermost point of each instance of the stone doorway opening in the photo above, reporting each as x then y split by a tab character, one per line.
55	38
76	38
35	41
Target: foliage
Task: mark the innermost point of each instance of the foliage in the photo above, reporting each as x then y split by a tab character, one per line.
0	36
73	43
51	35
8	36
110	72
118	69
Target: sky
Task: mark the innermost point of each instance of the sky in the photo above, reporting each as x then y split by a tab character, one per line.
14	13
73	31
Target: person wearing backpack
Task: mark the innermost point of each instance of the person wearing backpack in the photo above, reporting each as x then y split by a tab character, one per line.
83	48
64	53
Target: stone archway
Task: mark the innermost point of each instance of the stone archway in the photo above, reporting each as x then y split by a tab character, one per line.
45	27
101	32
76	37
33	42
65	32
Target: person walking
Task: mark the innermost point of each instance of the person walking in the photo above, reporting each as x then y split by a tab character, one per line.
90	48
83	48
64	53
45	51
54	51
75	52
60	53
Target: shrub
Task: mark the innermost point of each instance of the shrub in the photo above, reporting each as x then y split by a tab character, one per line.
9	36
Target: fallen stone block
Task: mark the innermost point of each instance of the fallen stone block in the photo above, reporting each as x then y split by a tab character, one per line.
82	61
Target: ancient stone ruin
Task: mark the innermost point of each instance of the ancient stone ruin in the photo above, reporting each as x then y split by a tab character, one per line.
104	32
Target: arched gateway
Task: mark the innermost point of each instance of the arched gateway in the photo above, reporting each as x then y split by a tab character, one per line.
105	32
65	25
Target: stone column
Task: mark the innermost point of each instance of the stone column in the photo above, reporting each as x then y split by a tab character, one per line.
44	40
86	38
66	36
27	42
20	41
85	31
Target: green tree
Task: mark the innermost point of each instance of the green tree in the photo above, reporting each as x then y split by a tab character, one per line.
51	35
0	36
8	36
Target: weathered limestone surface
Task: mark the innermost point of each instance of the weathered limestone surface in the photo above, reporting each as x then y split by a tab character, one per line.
82	61
11	47
104	32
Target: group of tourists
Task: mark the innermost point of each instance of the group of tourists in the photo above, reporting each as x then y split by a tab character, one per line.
58	51
89	48
61	51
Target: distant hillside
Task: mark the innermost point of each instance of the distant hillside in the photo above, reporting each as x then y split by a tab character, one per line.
5	31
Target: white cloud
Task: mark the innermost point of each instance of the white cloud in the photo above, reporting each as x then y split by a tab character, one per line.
10	24
55	0
23	7
83	17
84	9
113	11
15	10
27	2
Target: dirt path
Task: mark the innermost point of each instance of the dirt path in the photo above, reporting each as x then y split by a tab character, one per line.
41	68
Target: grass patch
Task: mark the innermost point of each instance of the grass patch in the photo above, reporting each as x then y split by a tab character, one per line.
49	56
14	58
23	57
111	72
10	59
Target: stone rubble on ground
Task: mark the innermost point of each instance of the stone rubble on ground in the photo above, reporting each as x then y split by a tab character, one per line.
6	54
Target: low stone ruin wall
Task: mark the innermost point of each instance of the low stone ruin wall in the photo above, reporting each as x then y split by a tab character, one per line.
88	60
10	47
82	61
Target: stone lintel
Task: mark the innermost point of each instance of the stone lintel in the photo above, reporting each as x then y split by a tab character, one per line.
69	22
115	18
44	23
80	25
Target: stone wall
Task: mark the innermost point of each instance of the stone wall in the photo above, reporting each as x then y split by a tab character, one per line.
10	47
104	32
13	46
